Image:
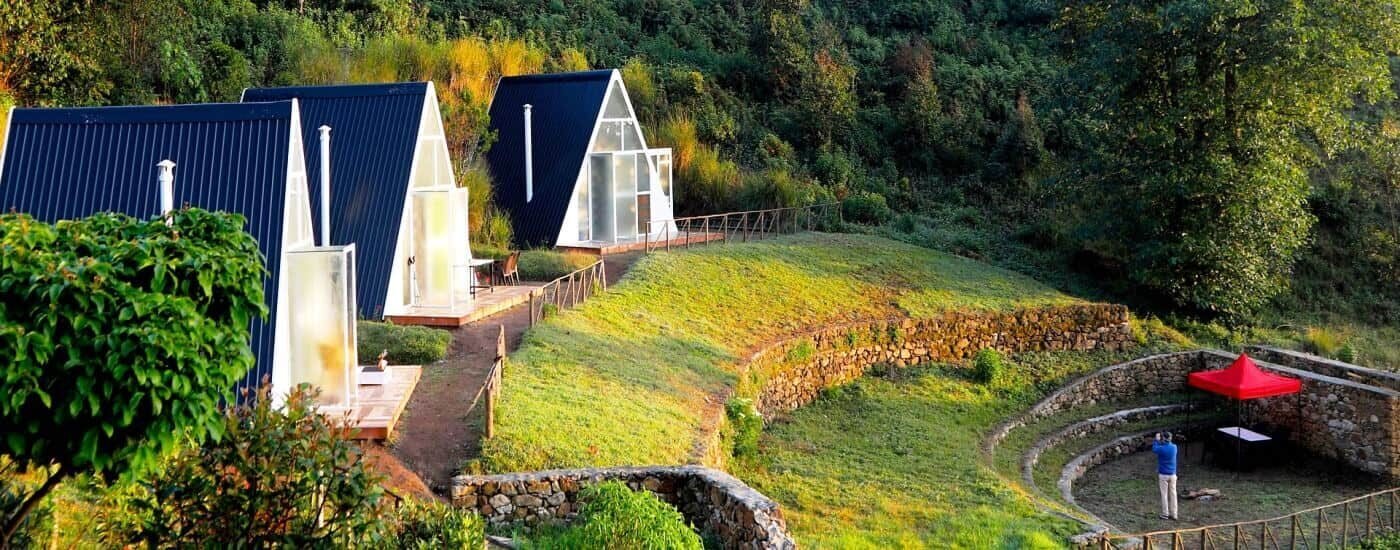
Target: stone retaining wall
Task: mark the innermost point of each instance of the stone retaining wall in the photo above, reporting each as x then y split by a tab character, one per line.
1098	424
792	373
713	501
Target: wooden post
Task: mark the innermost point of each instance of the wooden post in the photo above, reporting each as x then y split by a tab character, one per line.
532	308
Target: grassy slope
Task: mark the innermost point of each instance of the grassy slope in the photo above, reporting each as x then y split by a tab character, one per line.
625	378
894	462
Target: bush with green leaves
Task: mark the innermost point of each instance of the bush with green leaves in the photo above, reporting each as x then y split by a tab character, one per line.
407	345
614	516
547	265
988	366
121	337
280	476
866	208
746	425
429	525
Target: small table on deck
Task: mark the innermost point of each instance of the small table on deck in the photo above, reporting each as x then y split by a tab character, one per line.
1240	447
475	264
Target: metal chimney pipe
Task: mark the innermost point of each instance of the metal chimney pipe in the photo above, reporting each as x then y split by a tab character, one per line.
325	185
167	189
529	158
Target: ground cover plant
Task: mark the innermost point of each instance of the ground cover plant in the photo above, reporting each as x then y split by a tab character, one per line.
405	345
614	516
625	378
547	265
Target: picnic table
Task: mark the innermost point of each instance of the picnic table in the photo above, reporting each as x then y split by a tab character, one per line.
1241	448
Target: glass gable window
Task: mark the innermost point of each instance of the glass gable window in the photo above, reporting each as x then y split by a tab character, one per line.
617	103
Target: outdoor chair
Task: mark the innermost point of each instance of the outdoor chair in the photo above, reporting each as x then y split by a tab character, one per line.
509	274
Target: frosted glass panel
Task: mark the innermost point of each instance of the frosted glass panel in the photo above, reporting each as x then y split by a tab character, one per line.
321	292
609	137
643	173
631	140
625	195
581	211
617	104
600	196
433	248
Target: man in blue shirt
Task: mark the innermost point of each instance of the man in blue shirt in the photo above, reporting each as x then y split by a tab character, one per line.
1165	450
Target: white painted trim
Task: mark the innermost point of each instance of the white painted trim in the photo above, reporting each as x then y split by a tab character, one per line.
583	162
281	378
5	137
393	299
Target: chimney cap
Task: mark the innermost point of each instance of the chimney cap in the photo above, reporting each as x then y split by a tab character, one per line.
528	106
324	128
167	163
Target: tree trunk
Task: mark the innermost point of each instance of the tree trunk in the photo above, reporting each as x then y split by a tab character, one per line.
13	522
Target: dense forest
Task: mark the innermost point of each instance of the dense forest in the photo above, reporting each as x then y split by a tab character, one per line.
1227	160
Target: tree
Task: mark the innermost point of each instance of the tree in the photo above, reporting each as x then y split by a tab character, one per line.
46	51
122	338
1202	119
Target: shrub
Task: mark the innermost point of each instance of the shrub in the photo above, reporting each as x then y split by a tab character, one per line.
1348	353
614	516
1323	341
34	529
425	525
407	345
906	223
866	208
547	265
296	469
124	336
747	425
988	366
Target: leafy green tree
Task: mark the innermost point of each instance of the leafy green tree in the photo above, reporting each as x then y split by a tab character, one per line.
1203	118
46	51
121	337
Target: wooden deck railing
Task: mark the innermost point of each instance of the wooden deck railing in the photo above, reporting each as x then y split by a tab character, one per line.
568	291
744	226
1331	526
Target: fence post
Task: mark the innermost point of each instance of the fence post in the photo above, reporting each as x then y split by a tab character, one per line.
1370	506
531	306
1346	517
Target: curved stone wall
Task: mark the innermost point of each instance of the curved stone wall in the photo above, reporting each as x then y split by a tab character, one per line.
711	500
1098	424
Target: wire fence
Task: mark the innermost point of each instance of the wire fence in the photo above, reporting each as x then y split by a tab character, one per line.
568	291
740	226
1334	525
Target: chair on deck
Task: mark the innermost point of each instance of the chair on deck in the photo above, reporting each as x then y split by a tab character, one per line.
509	272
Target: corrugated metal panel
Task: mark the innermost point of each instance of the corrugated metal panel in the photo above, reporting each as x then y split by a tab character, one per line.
564	108
374	129
72	163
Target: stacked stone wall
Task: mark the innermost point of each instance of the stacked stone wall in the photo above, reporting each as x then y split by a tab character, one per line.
792	373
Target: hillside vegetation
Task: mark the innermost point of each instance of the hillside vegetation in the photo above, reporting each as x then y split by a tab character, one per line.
1217	160
625	378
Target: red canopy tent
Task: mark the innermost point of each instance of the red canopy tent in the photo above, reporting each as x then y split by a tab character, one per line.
1240	381
1243	380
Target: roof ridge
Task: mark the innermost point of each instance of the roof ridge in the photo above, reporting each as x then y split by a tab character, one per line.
339	91
163	114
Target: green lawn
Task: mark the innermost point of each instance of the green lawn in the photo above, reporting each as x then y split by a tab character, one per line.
894	461
625	378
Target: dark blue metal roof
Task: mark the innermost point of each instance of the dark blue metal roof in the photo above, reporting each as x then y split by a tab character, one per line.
374	132
564	109
73	163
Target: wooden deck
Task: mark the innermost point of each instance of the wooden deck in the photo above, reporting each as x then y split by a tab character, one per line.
379	407
607	248
488	302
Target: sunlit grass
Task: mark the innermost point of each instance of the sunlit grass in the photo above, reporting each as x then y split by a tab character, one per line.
626	378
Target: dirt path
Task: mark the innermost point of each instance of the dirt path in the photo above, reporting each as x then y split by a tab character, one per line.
440	430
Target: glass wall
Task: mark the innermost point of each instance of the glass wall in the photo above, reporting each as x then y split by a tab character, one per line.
600	196
321	291
436	242
625	195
